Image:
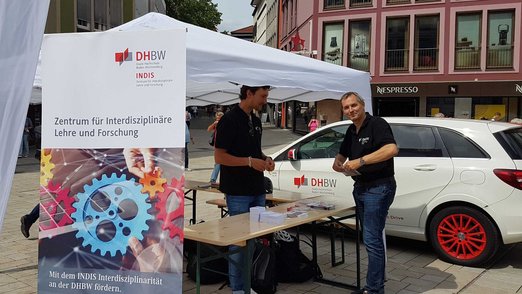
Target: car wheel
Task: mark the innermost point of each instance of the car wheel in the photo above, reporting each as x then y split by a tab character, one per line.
464	236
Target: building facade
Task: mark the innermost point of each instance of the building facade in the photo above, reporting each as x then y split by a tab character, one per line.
458	57
71	16
265	22
66	16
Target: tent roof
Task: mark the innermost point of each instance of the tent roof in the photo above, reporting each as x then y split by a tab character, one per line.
217	64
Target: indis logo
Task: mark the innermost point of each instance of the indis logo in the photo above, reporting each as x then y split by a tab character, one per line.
314	182
120	57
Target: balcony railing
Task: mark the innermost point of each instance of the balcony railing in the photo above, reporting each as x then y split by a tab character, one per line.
500	57
426	59
397	60
359	60
392	2
467	58
360	3
334	56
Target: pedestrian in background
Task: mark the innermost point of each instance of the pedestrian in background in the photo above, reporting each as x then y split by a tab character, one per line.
24	145
212	128
313	124
26	221
188	139
369	147
188	117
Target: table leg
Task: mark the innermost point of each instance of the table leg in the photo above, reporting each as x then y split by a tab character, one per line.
357	248
319	274
194	206
248	252
198	267
193	199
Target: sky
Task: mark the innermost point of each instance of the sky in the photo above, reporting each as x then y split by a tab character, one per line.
236	14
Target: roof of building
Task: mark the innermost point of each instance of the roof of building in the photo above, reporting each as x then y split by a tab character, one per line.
245	30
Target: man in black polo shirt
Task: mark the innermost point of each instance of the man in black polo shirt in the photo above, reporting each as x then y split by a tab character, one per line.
369	147
238	150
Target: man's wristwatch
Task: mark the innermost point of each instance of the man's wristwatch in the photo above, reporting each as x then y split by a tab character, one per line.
361	161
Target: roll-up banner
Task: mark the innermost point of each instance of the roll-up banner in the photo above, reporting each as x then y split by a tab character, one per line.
112	169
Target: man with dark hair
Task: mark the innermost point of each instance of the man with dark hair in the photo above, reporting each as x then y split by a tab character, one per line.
369	147
238	150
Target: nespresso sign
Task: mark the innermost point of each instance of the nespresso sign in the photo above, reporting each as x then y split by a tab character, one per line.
397	90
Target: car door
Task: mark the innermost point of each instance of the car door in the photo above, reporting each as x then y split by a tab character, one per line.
312	172
422	170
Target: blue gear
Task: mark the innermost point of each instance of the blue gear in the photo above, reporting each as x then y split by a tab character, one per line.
87	219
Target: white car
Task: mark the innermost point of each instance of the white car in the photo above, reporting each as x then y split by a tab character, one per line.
458	181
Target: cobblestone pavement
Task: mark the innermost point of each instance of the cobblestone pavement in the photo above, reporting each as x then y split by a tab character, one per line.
412	266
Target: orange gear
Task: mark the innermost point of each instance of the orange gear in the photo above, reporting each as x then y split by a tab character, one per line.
46	167
153	183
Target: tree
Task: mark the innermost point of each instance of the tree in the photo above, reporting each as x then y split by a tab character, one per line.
201	13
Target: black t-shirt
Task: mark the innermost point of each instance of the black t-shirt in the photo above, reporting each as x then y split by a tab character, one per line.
240	135
375	132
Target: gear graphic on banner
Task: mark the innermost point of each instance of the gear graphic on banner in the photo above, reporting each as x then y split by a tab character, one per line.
57	206
171	206
109	212
152	184
46	167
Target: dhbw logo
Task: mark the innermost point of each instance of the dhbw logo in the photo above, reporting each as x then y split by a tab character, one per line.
120	57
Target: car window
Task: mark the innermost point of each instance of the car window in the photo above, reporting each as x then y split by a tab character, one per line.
461	146
416	141
511	141
325	145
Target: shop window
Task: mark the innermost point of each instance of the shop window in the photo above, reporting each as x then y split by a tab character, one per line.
333	4
394	2
426	43
500	40
360	3
480	108
397	44
115	12
100	15
303	112
359	51
468	42
83	12
445	105
333	43
141	7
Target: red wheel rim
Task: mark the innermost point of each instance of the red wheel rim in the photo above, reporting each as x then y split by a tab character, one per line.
461	236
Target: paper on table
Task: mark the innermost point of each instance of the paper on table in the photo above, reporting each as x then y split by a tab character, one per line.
351	173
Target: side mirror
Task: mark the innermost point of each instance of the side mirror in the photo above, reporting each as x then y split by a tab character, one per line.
292	154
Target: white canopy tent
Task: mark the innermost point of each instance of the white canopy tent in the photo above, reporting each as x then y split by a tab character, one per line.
218	64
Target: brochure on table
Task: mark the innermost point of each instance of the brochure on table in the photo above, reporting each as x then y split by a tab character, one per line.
112	176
